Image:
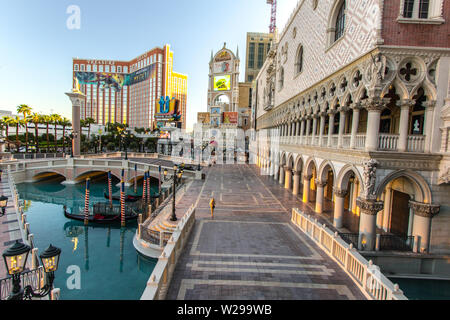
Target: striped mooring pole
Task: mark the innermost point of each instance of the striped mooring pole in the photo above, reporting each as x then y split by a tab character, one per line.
122	203
135	178
148	187
110	188
86	202
159	182
144	190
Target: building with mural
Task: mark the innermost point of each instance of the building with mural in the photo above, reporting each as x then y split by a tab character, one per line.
130	91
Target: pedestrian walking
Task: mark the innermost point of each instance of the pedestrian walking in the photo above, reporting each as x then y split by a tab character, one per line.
212	205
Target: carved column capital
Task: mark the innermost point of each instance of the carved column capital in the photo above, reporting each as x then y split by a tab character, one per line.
374	104
297	173
426	210
331	112
356	106
406	103
340	192
320	183
430	104
343	109
307	177
369	207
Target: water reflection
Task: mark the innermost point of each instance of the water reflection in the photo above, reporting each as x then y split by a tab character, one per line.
109	264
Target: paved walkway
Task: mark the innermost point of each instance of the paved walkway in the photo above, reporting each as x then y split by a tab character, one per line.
250	250
9	226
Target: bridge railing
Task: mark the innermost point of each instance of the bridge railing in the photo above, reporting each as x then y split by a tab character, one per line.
161	276
364	274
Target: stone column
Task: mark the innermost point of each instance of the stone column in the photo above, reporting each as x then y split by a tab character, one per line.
423	213
302	130
281	175
387	206
322	127
308	126
405	106
331	114
76	97
373	107
313	136
342	113
296	188
368	223
298	129
319	195
306	187
339	197
355	124
429	109
288	178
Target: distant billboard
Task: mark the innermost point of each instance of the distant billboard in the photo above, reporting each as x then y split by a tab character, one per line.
222	83
203	117
230	117
222	67
167	109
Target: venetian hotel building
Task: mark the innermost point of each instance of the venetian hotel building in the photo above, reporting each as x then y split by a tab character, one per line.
135	103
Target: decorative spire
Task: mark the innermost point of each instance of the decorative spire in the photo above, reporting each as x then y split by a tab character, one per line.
224	45
211	56
237	52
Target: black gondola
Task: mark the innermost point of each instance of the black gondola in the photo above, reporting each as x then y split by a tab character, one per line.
128	198
105	217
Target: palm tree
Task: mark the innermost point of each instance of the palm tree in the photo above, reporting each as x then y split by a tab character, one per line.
26	111
18	123
36	118
88	123
8	122
64	122
47	119
55	119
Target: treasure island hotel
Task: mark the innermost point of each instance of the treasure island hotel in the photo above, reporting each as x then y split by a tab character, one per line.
150	76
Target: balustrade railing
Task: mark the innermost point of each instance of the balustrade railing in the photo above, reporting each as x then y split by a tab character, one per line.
365	275
387	141
346	140
334	140
161	276
360	141
324	141
416	143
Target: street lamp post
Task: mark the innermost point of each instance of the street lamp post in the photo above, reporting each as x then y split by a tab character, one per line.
15	259
177	176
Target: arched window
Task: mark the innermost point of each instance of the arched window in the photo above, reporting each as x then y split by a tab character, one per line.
340	22
299	60
281	81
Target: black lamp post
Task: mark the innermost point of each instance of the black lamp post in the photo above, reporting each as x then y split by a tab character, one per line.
15	259
3	204
177	176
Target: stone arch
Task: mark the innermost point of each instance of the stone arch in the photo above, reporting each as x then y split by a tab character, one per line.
283	159
361	94
298	164
345	174
400	89
310	165
82	172
428	88
422	191
323	170
41	174
290	161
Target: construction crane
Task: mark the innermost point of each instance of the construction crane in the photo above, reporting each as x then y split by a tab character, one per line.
273	15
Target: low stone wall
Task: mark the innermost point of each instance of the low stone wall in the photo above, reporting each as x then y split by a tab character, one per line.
161	276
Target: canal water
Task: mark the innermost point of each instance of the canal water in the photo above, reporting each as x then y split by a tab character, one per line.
98	262
424	289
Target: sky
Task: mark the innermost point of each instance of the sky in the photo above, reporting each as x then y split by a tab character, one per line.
37	47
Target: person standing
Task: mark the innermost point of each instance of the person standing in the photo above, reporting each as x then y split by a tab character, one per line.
212	205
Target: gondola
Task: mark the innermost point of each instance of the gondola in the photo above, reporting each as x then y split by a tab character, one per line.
128	198
101	218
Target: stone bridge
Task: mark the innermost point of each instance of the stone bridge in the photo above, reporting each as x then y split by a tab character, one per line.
75	170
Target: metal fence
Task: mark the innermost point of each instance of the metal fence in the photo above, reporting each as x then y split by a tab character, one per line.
350	238
35	278
396	243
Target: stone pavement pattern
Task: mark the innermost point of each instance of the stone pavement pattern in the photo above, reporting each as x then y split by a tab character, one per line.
9	226
250	250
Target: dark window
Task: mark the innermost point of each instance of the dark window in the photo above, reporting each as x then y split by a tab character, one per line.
340	22
408	8
423	9
250	78
281	78
299	63
268	47
251	55
260	55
